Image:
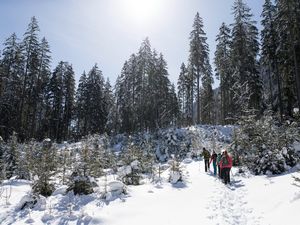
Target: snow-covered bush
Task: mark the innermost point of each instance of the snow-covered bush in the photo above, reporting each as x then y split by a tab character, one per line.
43	167
131	174
27	201
81	185
135	160
176	171
265	145
174	141
114	190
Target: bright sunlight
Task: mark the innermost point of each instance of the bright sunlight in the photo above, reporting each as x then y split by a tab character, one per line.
142	12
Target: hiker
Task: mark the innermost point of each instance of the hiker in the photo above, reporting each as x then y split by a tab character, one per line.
219	156
206	156
213	159
225	165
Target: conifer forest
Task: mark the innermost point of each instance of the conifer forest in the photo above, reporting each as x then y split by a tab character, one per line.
89	136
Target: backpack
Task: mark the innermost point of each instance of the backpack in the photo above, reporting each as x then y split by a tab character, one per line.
225	161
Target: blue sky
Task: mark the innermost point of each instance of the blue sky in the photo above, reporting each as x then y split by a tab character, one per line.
85	32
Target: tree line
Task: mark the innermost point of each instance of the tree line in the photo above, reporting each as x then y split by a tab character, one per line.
257	73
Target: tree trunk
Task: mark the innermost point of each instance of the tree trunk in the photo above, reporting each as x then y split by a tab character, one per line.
297	70
198	98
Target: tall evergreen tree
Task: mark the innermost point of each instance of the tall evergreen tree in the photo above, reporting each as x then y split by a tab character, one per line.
30	48
143	91
10	86
44	74
287	21
61	101
268	57
199	57
223	70
93	99
244	51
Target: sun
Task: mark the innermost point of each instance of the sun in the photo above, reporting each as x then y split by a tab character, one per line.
142	12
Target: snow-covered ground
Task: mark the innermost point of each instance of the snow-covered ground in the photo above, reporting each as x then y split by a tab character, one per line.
203	199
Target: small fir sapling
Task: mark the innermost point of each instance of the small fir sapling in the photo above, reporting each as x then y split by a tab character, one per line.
176	171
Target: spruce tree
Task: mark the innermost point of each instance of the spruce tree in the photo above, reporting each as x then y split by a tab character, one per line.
61	101
10	86
30	49
247	85
287	22
199	58
43	167
223	70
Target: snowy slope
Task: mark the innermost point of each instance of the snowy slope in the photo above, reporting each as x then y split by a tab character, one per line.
203	199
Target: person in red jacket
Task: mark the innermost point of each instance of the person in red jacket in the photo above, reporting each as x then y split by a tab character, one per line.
225	165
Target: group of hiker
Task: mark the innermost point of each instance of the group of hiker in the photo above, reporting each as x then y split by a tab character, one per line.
222	162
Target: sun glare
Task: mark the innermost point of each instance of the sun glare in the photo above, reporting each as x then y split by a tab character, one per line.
142	11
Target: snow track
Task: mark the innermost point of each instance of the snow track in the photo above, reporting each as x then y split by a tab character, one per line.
203	199
229	205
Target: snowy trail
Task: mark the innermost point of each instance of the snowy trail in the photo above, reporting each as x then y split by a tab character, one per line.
205	200
230	206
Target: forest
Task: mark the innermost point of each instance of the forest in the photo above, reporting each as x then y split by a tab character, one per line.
258	74
61	138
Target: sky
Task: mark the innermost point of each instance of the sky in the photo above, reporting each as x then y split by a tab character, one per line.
107	32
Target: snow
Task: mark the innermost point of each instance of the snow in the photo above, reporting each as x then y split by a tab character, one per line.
202	199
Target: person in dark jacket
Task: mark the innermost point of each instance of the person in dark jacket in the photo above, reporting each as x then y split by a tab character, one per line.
206	156
219	156
213	159
225	165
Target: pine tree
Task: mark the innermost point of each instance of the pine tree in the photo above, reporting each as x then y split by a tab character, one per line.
10	86
287	21
30	48
268	56
199	57
61	101
109	103
44	167
44	74
182	93
11	156
224	71
144	92
81	104
96	114
247	85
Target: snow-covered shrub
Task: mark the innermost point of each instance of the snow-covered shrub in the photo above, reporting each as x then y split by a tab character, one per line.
43	167
266	146
131	174
81	185
10	156
176	171
89	163
114	190
135	160
27	201
174	142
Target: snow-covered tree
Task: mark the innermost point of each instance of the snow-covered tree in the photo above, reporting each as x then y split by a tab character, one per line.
247	86
224	71
12	67
43	167
145	98
264	146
